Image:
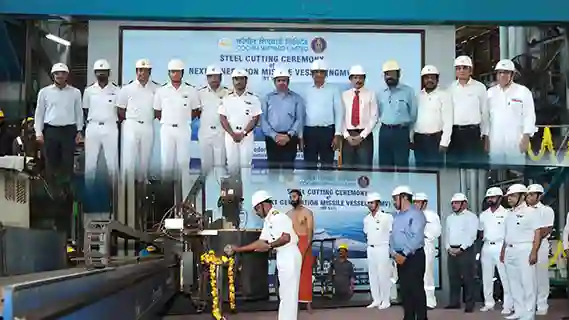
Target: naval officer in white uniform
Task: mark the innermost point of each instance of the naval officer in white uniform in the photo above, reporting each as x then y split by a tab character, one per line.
519	252
492	230
278	233
377	228
100	103
174	103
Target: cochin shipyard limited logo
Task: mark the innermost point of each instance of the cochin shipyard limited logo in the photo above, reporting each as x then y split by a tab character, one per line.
363	182
225	44
318	45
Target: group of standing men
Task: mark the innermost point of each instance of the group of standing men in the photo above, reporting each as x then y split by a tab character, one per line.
515	243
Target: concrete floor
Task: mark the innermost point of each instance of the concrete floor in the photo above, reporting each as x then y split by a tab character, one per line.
558	309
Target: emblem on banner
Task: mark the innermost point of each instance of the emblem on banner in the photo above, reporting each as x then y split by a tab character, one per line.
363	182
318	45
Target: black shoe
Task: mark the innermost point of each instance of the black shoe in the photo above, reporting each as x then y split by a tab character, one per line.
468	310
452	307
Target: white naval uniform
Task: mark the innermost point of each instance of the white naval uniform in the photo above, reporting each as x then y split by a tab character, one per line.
102	129
138	131
239	111
211	134
494	227
378	230
512	114
521	224
547	218
432	233
289	262
175	133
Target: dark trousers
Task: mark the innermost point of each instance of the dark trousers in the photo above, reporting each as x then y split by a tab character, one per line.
411	286
466	146
393	146
59	144
360	156
318	146
426	150
461	274
281	157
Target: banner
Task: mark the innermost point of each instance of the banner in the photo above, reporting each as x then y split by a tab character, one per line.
338	202
260	52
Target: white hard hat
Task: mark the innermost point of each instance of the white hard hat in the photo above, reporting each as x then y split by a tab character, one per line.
401	190
428	69
59	67
516	188
458	197
318	65
278	73
420	196
176	65
494	192
538	188
391	65
212	70
373	196
239	73
260	196
505	65
101	64
464	61
357	71
143	64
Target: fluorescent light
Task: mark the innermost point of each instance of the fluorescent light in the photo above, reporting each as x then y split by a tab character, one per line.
57	39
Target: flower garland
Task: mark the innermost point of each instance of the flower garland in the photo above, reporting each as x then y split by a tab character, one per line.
213	261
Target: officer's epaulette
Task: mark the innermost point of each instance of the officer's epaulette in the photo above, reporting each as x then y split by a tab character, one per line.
250	93
275	212
189	85
91	84
225	88
131	81
164	84
114	84
231	92
203	88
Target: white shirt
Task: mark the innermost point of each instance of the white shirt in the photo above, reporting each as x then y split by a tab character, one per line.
435	114
101	103
461	229
138	100
274	225
58	107
546	216
369	115
433	226
493	224
521	224
209	103
470	104
176	104
511	109
378	228
240	110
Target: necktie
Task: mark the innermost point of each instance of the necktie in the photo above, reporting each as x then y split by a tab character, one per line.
356	109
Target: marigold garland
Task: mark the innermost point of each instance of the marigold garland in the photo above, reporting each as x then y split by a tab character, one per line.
213	261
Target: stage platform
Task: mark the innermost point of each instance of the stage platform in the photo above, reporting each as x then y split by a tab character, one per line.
558	309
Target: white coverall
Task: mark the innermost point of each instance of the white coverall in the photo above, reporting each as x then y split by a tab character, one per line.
239	111
547	218
494	227
512	114
102	128
211	134
175	132
432	233
138	131
289	262
377	230
521	224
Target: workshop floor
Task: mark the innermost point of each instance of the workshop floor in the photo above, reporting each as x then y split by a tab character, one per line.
558	309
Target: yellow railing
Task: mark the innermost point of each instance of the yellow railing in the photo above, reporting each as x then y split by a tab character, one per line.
548	149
